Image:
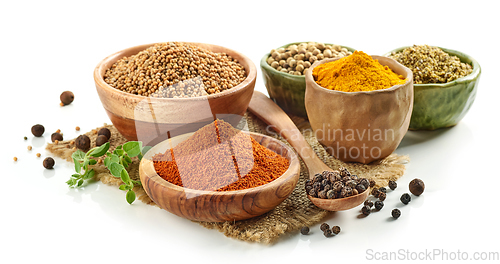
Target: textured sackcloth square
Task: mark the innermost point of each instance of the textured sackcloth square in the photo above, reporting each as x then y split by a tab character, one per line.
295	212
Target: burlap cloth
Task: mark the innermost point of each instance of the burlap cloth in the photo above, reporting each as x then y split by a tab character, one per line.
296	211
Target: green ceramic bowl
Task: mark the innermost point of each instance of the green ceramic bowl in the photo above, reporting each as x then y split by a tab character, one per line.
444	104
286	90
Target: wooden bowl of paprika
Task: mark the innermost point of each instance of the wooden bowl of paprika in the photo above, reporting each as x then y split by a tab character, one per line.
219	206
364	117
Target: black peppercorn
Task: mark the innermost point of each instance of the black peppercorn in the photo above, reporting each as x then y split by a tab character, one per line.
317	178
344	172
104	131
375	192
364	182
49	163
56	136
327	233
335	176
417	187
379	205
337	186
37	130
330	194
325	182
382	196
396	213
67	97
346	192
308	182
83	142
327	188
366	210
322	194
382	189
304	230
312	192
324	227
372	182
101	140
354	177
405	198
369	203
351	183
308	188
393	185
336	230
361	188
317	187
346	179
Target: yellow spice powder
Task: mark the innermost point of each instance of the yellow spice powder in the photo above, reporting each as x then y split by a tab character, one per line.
355	73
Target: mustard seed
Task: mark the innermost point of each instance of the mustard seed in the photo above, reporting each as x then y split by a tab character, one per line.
77	128
38	155
67	97
30	147
15	158
49	163
37	130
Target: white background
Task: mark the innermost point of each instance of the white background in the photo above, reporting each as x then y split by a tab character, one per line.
48	47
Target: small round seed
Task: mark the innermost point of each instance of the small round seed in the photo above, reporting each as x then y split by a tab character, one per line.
396	213
304	230
49	163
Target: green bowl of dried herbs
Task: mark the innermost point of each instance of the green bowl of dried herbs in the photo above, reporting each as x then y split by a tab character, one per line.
445	84
284	69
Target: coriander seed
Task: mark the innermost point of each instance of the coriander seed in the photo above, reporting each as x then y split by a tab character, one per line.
38	155
37	130
77	128
30	147
304	230
49	163
405	198
396	213
379	205
417	187
15	158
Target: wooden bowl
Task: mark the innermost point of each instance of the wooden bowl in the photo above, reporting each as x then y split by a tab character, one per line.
360	126
212	206
150	119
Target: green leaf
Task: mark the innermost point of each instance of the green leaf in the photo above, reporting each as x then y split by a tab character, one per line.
78	166
130	196
78	155
116	169
125	177
89	175
107	161
76	175
127	159
119	147
80	182
86	164
136	183
114	158
100	151
71	182
92	162
145	149
133	148
123	187
119	152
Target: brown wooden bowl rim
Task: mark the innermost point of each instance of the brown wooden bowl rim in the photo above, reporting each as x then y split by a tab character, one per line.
314	85
99	80
289	174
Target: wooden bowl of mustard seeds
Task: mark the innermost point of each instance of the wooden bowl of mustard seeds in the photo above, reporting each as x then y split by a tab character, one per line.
362	126
150	119
213	206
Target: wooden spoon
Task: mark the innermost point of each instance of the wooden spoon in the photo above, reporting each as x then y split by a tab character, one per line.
273	115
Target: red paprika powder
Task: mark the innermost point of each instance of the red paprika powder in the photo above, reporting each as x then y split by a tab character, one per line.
221	158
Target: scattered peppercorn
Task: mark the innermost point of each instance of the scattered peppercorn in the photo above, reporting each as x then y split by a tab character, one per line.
77	128
396	213
393	185
379	205
304	230
382	196
101	140
372	182
368	203
382	189
56	136
405	198
67	97
83	142
49	163
30	147
327	233
336	230
375	192
417	187
37	130
324	227
366	210
15	158
104	131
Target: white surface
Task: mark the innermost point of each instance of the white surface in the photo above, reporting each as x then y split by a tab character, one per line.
49	47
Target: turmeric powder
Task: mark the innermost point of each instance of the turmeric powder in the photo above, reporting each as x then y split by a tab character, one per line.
355	73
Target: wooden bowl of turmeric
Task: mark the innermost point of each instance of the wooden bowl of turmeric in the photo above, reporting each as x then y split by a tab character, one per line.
219	174
362	109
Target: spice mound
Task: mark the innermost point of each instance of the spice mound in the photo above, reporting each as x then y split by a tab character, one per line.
297	58
219	157
336	184
355	73
175	70
431	64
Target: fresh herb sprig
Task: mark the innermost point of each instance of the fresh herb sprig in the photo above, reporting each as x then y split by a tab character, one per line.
116	162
